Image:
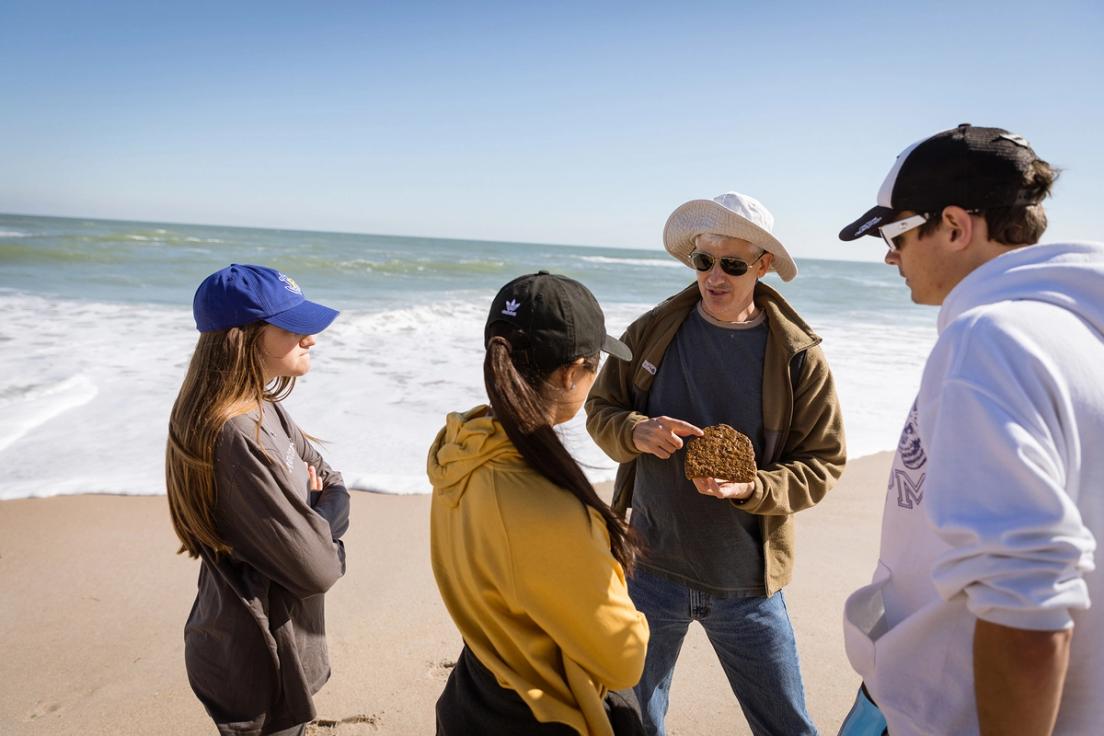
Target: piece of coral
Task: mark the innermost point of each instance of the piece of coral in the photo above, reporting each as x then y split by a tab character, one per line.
722	453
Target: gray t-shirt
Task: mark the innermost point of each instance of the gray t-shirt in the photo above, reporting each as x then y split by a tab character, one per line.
711	374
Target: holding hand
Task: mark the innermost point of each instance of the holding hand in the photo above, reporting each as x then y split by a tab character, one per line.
314	483
723	488
662	436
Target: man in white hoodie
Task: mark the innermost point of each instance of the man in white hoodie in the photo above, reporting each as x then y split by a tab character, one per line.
978	618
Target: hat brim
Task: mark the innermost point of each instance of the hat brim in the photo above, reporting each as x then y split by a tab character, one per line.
702	216
869	223
616	348
305	318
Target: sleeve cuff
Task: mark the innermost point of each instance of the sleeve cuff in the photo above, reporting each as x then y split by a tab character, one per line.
756	493
1049	620
629	446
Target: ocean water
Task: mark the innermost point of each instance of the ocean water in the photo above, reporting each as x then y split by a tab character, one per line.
97	333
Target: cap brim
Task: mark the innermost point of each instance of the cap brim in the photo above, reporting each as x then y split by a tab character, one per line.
869	223
616	348
305	318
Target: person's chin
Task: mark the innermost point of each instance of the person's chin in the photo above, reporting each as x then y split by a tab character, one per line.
717	302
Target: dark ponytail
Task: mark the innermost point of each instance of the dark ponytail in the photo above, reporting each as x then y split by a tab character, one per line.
511	380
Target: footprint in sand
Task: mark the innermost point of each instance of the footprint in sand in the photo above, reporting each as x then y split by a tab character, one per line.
42	710
440	669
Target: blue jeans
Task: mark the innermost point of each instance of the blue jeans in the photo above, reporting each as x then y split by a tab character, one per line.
753	640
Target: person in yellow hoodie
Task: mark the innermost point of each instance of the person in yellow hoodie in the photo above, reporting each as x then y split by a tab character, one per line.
529	560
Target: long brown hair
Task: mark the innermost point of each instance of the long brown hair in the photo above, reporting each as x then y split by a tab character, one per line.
512	383
225	379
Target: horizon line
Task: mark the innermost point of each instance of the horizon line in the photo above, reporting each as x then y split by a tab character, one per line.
381	235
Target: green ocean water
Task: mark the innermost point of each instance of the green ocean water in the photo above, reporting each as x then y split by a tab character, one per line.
162	263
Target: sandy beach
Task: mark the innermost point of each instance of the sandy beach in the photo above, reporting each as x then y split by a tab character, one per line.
94	601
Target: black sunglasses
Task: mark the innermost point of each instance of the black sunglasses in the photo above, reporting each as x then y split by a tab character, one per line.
729	264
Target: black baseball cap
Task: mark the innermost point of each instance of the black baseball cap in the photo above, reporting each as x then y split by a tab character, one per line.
972	167
560	318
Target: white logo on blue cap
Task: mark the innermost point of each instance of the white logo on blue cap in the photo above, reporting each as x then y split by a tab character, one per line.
290	285
512	306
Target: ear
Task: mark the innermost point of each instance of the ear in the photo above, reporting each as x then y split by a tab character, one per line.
562	379
572	373
959	227
764	264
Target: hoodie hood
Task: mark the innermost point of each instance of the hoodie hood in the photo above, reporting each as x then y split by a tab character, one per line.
1068	275
468	441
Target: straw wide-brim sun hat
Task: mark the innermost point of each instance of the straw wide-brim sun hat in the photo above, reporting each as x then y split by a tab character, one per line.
733	215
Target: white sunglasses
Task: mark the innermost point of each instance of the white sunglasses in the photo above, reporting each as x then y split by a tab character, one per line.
900	227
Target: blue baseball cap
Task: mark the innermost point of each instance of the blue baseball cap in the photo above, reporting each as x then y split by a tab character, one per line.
240	294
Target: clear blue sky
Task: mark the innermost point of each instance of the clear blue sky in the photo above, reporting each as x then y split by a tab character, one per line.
581	123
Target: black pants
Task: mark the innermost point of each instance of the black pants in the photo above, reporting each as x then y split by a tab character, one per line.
299	730
474	703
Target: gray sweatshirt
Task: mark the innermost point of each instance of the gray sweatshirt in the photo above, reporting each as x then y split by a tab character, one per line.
255	642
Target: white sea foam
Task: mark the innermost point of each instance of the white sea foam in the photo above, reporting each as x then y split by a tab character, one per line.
13	234
91	389
877	369
27	407
87	400
657	262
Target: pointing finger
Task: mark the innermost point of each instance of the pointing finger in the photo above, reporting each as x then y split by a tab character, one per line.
679	427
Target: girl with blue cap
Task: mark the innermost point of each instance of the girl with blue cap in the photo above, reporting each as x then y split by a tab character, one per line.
255	502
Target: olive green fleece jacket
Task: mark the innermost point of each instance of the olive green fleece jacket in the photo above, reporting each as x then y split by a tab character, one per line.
803	449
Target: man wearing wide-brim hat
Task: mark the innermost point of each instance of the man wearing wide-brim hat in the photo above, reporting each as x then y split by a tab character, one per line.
728	349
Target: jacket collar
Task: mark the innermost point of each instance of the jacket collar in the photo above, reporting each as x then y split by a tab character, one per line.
784	322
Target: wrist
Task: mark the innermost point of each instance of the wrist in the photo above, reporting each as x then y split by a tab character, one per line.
746	497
